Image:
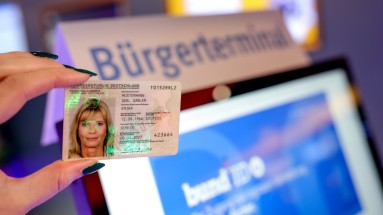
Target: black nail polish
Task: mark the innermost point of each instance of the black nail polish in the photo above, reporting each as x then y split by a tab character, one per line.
94	168
45	55
80	70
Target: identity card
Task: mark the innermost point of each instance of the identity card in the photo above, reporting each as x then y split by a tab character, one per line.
119	119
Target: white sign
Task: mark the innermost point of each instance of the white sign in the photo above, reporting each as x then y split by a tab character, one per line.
198	51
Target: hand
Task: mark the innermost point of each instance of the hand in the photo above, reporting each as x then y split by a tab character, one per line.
24	76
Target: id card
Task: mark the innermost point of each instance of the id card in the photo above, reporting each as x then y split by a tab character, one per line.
116	119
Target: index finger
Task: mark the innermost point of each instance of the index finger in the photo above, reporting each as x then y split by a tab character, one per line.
17	62
18	88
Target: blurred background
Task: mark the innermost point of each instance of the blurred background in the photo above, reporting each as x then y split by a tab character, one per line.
324	28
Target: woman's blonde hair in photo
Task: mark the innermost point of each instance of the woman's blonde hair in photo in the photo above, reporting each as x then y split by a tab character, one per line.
90	107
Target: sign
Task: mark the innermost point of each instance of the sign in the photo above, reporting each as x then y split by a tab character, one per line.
198	51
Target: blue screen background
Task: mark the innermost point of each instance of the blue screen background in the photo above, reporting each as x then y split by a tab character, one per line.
305	171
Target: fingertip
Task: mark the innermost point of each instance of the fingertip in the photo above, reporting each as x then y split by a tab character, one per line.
79	163
45	55
93	168
81	70
82	167
69	77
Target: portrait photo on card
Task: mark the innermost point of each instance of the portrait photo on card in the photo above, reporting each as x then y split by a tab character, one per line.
90	128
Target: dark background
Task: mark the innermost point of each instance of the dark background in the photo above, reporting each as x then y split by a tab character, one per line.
349	28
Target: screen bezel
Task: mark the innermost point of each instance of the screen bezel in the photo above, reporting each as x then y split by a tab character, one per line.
92	183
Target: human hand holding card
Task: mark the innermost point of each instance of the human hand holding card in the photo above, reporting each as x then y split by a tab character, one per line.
115	119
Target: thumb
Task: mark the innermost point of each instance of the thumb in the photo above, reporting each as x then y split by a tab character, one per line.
47	182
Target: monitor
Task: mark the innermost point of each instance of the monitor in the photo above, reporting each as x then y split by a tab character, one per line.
290	143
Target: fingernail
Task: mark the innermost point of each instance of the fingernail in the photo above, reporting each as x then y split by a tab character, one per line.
94	168
45	55
80	70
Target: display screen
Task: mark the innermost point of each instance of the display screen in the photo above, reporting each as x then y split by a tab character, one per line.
301	16
292	143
